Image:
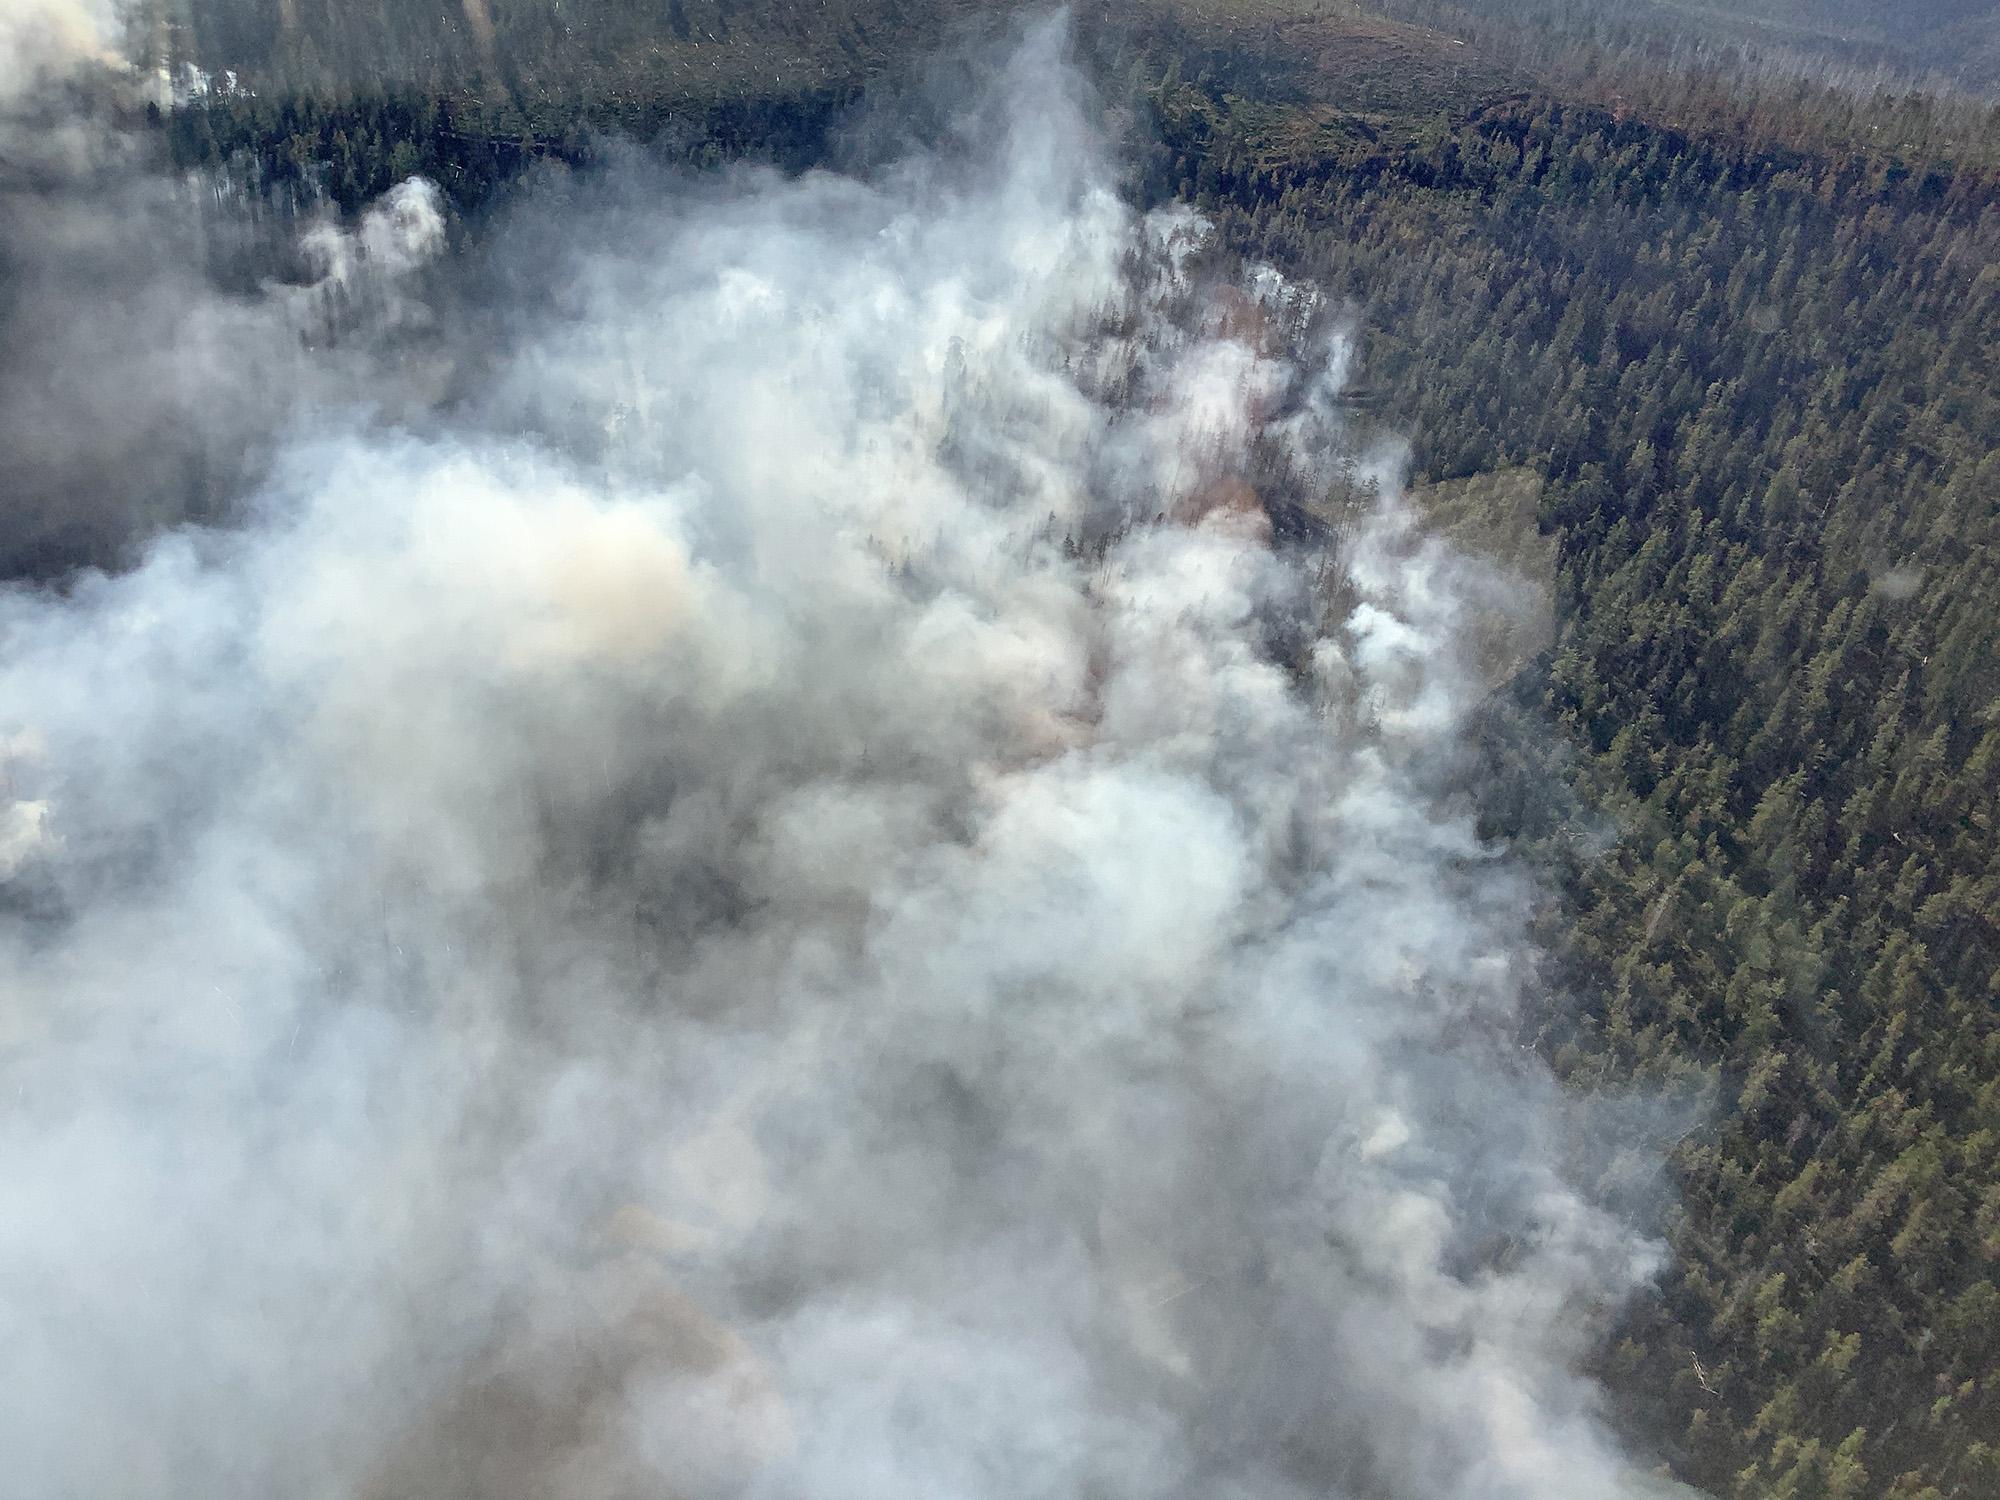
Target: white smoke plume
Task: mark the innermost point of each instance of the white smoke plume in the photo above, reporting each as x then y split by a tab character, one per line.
797	901
42	40
154	328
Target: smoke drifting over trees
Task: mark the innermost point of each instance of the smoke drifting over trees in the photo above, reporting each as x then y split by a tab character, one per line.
791	899
157	335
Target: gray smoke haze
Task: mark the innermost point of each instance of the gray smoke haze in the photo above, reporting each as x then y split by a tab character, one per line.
794	902
45	39
151	362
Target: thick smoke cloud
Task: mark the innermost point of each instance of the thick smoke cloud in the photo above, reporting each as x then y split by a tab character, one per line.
44	39
158	334
795	901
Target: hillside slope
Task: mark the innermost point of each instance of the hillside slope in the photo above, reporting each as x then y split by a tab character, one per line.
1739	346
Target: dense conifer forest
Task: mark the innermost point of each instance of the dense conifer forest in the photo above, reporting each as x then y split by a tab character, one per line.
1757	392
1729	331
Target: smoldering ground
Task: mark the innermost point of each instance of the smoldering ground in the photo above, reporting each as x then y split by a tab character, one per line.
793	901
